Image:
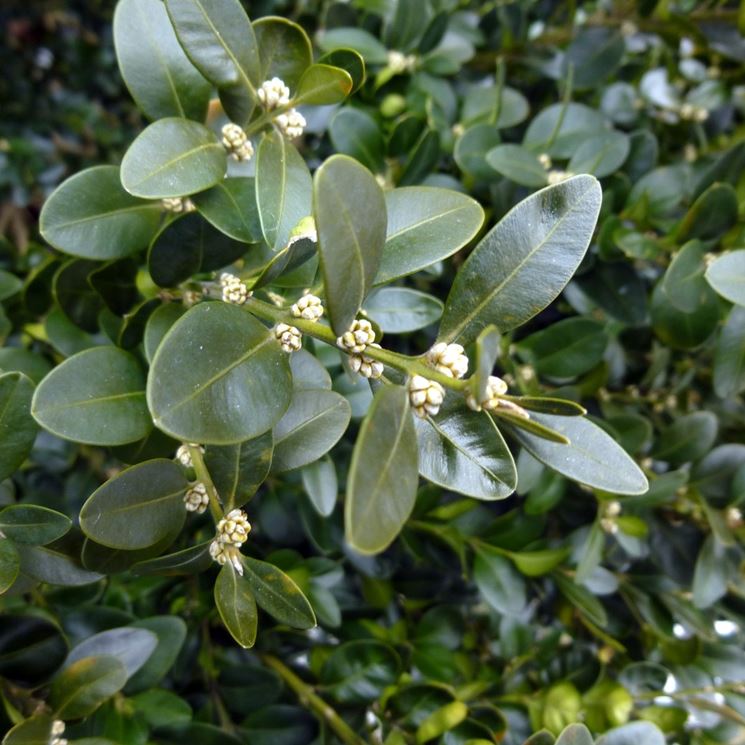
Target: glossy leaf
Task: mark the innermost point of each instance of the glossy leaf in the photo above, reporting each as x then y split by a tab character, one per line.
236	606
83	686
513	274
10	564
92	216
354	132
400	310
321	485
349	210
311	426
54	567
462	450
729	358
727	276
96	396
235	367
173	158
517	164
277	594
230	206
17	427
284	50
132	647
498	581
138	507
592	457
33	524
425	225
159	75
321	85
383	474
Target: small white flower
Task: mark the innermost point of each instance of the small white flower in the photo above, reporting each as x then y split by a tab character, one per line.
495	387
359	335
236	142
425	396
196	498
223	553
366	366
687	111
556	177
545	160
289	337
448	359
273	93
399	62
612	509
609	525
183	456
733	517
233	528
700	114
58	727
234	290
178	204
291	124
308	307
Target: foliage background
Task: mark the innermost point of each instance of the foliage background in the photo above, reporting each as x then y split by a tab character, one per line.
427	619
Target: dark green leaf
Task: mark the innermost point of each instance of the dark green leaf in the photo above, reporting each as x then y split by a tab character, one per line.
231	207
399	310
687	438
132	647
54	567
10	564
236	606
284	50
17	427
498	581
729	357
30	523
517	164
83	686
321	485
321	85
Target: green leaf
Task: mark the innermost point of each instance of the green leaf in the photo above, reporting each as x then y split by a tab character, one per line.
357	672
311	426
383	474
219	39
158	74
96	396
30	523
524	262
173	158
321	85
132	647
321	485
171	634
10	564
498	581
517	164
538	563
54	567
425	225
354	132
284	50
566	349
234	367
236	606
681	330
349	210
592	457
575	734
688	438
727	276
471	149
92	216
729	357
9	285
230	206
711	215
34	731
363	42
487	353
463	451
564	127
442	720
582	599
560	406
601	155
238	470
277	594
83	686
712	573
158	324
348	60
188	561
633	733
683	283
138	507
17	428
400	310
283	189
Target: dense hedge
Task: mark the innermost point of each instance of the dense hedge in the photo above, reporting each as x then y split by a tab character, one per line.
376	376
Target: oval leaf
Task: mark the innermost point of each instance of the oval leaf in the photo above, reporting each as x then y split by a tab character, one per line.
236	606
17	427
83	686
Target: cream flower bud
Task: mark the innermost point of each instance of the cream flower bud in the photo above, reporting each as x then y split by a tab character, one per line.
178	204
366	366
234	290
613	508
545	160
224	553
609	525
359	335
273	93
448	359
513	408
308	307
233	528
556	177
426	396
183	456
58	727
196	498
495	387
236	142
291	124
399	62
289	337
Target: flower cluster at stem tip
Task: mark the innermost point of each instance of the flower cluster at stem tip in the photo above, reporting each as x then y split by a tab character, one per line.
289	337
196	498
58	728
355	341
448	359
234	290
309	307
425	396
274	94
232	533
236	142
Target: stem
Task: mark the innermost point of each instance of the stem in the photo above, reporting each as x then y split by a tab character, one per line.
204	476
408	365
315	703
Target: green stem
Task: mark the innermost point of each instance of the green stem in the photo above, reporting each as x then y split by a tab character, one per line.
404	363
314	702
204	476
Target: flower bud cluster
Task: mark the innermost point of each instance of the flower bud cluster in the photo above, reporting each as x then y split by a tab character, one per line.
234	290
399	62
273	93
366	366
692	113
291	124
236	142
359	335
448	359
183	456
232	533
308	307
426	396
289	337
196	498
58	728
178	204
608	522
495	389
